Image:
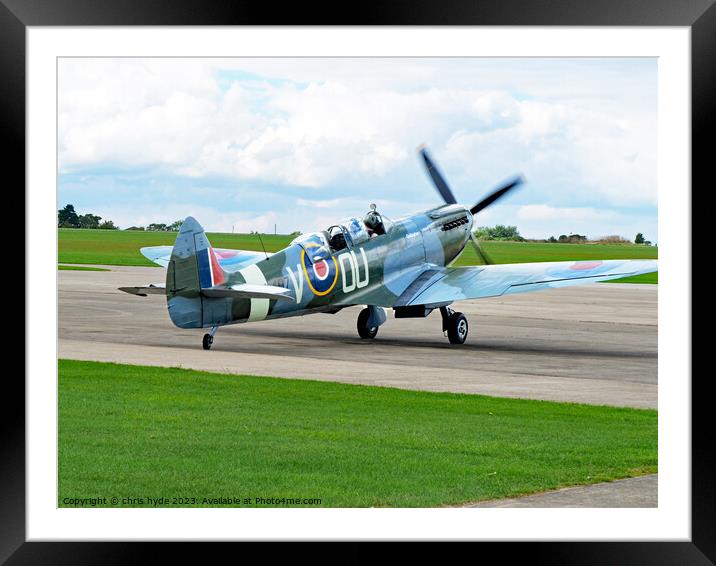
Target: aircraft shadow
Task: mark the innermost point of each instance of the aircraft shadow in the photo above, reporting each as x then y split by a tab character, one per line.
316	344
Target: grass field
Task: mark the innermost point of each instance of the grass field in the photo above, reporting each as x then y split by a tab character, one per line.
136	431
121	247
117	247
79	268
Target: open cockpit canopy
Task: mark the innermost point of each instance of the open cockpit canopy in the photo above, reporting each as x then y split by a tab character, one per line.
346	234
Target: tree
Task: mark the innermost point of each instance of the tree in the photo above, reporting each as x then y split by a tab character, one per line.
108	225
552	239
67	217
157	227
613	239
89	221
639	238
175	226
572	239
499	232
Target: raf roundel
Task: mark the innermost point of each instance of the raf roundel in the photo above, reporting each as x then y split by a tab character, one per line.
321	269
322	275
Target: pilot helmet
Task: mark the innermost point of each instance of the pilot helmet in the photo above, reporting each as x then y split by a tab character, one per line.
372	220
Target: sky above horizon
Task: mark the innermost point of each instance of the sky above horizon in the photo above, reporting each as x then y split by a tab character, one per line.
300	143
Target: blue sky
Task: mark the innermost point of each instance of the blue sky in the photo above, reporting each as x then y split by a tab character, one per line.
302	143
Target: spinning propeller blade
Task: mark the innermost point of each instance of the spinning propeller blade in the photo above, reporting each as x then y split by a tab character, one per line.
481	254
438	180
497	194
444	189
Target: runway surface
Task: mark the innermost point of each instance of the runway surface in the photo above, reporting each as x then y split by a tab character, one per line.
591	344
633	492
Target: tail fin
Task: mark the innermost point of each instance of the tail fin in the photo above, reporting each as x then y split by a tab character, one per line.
193	265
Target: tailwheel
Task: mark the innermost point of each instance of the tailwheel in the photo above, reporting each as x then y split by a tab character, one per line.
207	341
364	331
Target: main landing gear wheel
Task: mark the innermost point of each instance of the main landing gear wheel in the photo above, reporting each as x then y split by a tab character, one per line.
455	324
363	330
207	341
209	338
457	328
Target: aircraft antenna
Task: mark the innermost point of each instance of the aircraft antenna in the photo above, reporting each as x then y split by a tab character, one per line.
262	244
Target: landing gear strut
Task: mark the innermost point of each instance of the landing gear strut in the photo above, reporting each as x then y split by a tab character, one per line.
209	338
455	324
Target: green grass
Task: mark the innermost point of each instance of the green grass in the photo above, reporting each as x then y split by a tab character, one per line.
525	252
117	247
80	268
121	247
136	431
652	278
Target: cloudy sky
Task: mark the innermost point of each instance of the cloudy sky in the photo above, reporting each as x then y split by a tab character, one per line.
302	143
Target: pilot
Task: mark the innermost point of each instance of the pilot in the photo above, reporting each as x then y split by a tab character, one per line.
374	222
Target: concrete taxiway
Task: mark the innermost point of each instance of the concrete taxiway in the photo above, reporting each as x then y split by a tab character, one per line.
589	344
633	492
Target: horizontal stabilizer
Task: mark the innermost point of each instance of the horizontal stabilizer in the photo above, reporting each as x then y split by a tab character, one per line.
151	289
248	291
229	260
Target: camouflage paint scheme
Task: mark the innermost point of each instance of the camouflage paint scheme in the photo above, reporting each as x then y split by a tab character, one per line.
407	266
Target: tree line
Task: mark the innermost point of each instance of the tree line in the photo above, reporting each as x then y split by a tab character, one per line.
67	217
512	234
159	227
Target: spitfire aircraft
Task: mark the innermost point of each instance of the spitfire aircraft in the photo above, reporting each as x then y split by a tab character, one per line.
403	264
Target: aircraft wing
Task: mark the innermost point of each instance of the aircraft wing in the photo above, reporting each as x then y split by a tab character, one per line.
230	260
445	285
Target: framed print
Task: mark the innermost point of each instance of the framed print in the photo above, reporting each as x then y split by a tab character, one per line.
225	145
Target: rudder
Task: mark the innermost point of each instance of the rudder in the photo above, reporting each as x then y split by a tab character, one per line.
193	266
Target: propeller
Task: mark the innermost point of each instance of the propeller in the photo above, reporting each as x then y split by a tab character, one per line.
497	194
438	180
481	254
447	195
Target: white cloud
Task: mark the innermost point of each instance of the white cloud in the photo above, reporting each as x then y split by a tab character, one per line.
209	217
550	213
582	131
331	203
541	221
565	149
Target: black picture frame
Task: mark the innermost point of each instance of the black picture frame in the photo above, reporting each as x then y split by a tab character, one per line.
699	15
